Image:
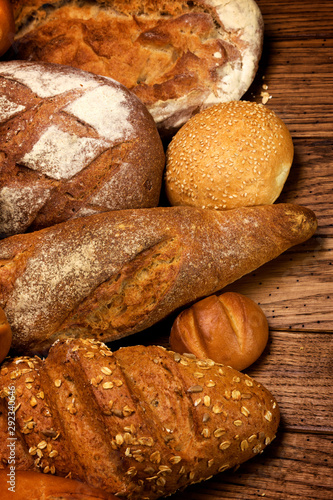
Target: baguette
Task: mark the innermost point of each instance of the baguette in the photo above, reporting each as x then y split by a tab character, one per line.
140	423
46	487
113	274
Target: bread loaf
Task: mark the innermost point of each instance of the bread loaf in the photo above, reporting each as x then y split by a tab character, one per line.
72	144
234	154
140	422
113	274
228	328
5	335
7	26
28	485
176	56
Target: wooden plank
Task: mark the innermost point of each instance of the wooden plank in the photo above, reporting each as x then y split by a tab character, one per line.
297	369
295	290
300	81
297	18
294	467
310	181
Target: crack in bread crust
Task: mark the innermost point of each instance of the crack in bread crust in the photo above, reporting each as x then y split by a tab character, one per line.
163	52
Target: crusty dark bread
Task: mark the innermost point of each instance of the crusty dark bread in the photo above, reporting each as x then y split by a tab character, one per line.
177	56
33	486
72	144
113	274
141	422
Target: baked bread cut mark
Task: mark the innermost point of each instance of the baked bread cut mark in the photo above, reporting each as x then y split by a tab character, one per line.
67	131
111	310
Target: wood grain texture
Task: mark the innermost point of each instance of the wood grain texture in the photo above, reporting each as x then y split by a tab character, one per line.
296	466
297	368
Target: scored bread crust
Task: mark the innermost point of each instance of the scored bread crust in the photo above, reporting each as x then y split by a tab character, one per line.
73	144
113	274
177	56
140	423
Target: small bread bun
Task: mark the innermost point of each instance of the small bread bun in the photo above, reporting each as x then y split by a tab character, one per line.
5	335
230	329
230	155
7	26
38	486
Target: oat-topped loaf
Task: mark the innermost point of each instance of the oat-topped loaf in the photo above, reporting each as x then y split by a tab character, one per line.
141	422
72	144
178	56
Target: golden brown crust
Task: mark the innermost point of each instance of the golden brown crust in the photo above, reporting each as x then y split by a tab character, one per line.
198	52
141	422
229	328
73	144
230	155
7	26
113	274
5	335
47	487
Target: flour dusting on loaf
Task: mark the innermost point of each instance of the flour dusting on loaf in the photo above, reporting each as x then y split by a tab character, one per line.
45	81
69	132
113	274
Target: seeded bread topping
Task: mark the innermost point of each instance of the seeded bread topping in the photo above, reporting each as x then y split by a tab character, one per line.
130	421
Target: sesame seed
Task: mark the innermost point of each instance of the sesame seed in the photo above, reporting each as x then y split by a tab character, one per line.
224	445
206	401
238	423
106	370
155	457
223	468
195	389
33	401
244	445
42	445
57	383
107	385
268	416
219	432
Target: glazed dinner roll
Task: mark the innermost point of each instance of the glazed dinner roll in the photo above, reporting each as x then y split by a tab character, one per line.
7	26
229	328
230	155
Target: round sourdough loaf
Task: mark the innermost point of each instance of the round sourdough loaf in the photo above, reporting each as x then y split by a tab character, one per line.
231	155
177	56
72	144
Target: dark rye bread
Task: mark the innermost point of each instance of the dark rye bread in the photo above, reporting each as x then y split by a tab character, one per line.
141	422
177	56
72	144
113	274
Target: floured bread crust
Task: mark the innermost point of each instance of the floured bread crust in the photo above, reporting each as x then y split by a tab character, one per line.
72	144
177	56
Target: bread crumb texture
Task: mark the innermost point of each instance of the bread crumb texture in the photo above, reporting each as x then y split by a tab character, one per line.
230	155
141	422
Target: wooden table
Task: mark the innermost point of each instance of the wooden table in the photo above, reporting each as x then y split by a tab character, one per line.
296	290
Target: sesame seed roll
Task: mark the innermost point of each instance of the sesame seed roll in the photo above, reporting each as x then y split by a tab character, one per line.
230	155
